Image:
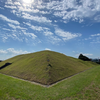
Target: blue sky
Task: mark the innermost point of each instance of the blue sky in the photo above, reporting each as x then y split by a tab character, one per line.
70	27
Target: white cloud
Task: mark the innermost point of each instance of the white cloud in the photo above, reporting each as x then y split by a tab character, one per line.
12	26
1	8
10	52
16	27
54	39
75	10
22	7
48	33
6	29
44	12
20	35
28	9
81	20
8	20
38	28
36	18
17	3
97	18
47	49
12	35
16	52
87	54
11	7
44	30
94	38
66	35
3	51
32	35
95	35
9	2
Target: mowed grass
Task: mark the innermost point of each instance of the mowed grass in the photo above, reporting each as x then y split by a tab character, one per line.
83	86
45	67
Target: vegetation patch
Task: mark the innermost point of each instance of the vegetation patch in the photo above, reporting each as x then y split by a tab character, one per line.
45	67
83	86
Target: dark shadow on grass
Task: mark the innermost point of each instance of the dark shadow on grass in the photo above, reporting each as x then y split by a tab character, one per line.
6	64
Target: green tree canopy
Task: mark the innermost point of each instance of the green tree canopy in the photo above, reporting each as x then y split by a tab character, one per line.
82	57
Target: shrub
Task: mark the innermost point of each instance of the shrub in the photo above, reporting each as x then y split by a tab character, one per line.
82	57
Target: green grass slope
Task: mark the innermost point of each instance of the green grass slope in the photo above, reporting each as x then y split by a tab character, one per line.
45	67
84	86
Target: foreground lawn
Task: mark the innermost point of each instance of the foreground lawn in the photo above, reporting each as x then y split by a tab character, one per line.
84	86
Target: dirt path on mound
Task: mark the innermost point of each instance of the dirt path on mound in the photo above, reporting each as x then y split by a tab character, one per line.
47	85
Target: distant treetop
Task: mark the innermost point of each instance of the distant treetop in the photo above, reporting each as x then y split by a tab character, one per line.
82	57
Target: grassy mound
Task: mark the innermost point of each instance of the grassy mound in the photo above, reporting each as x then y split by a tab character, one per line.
46	67
84	86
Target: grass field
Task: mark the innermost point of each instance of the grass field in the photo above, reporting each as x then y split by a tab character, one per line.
45	67
84	86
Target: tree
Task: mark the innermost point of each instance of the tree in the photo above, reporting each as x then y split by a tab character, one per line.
82	57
